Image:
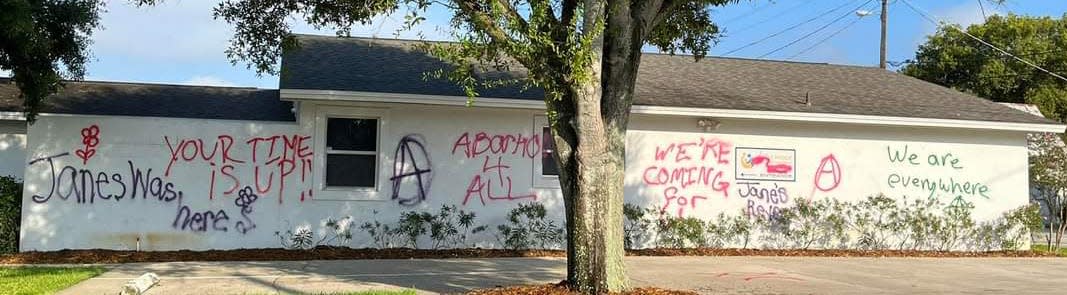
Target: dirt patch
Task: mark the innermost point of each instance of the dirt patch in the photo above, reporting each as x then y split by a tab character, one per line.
333	253
561	289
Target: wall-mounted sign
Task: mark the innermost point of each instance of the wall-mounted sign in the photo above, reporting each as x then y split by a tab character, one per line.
765	164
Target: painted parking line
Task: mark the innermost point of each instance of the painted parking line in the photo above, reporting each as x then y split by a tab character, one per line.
471	273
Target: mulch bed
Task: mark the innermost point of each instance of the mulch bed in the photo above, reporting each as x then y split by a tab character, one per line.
334	253
561	289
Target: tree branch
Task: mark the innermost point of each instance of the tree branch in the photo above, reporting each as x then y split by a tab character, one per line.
513	15
484	22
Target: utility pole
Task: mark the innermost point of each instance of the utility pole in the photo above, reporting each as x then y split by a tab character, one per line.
885	23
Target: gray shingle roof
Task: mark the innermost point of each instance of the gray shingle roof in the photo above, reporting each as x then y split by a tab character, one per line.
394	66
157	100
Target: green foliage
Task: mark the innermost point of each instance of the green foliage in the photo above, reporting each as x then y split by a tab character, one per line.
875	223
44	280
529	227
411	226
678	232
955	60
812	223
449	227
382	235
302	238
636	225
1048	179
44	42
338	233
10	213
875	220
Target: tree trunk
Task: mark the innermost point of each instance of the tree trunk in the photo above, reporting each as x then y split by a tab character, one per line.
592	180
591	156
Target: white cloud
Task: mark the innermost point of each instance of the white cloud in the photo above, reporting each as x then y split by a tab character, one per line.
207	80
173	30
187	31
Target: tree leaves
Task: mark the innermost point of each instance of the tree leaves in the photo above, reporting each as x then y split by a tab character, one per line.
44	42
955	60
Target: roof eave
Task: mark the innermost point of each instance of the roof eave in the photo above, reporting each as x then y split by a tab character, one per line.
490	102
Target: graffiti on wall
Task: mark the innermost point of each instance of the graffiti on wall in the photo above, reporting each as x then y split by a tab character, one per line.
492	181
827	175
90	139
412	169
959	192
273	160
763	200
689	172
87	187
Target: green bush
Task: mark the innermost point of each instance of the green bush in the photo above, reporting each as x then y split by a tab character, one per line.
635	227
680	232
528	227
877	222
10	213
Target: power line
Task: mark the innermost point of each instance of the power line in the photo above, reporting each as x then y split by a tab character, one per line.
790	28
1002	51
982	7
767	20
975	59
827	38
843	16
750	12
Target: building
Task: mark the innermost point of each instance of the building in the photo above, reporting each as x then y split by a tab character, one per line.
356	130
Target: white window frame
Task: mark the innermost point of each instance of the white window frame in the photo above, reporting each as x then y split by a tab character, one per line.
325	192
539	179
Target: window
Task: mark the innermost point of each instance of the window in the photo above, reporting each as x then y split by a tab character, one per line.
351	152
548	153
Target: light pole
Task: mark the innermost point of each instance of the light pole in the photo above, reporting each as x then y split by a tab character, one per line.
885	21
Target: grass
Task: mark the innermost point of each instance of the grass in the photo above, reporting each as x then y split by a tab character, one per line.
43	280
1044	248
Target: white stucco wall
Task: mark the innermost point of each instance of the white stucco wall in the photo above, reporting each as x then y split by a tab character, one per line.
12	148
197	204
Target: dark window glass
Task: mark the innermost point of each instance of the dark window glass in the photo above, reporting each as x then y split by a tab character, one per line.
548	153
352	134
350	170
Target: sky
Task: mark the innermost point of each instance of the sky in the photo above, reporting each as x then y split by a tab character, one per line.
179	41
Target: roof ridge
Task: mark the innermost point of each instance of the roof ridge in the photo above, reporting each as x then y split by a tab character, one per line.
682	55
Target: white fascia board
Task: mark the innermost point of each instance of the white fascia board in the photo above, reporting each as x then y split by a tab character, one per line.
847	118
332	95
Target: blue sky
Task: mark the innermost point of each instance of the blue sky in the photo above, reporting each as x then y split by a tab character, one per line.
179	42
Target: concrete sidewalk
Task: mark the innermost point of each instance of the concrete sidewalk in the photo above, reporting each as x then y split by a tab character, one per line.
707	275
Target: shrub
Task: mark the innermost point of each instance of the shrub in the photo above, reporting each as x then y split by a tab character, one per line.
302	238
339	233
382	235
813	223
875	221
412	225
528	224
635	228
679	232
451	226
10	213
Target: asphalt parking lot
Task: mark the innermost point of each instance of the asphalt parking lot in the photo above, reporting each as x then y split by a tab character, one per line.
706	275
